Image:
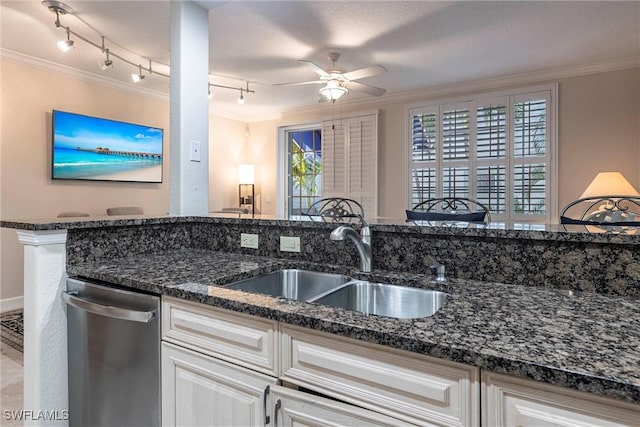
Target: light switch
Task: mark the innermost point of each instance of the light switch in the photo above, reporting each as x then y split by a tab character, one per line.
195	151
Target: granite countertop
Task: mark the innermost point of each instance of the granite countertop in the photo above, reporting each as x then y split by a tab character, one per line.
584	341
547	232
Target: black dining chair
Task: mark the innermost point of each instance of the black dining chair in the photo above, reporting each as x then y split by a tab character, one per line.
336	209
450	209
602	210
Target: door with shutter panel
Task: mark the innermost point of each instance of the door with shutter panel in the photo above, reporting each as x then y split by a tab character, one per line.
350	160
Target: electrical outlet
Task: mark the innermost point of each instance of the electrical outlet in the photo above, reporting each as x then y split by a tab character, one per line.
195	151
249	241
289	244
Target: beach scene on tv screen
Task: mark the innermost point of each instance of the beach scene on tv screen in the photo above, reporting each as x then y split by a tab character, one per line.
99	149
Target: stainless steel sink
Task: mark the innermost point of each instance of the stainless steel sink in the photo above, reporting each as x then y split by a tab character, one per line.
386	300
292	283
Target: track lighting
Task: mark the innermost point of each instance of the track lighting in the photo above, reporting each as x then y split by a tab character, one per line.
209	94
61	9
65	45
107	63
138	77
242	90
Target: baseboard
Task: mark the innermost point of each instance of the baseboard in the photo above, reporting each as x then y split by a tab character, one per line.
10	304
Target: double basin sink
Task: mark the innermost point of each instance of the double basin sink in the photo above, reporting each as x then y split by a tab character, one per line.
342	291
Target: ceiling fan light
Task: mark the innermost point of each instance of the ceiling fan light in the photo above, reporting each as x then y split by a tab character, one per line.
333	92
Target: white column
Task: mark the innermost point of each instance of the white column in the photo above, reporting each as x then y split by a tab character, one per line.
45	327
189	109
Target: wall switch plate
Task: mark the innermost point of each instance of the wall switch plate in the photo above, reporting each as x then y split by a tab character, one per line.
249	241
195	151
289	244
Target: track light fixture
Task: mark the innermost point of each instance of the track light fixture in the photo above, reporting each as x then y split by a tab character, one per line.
138	77
60	8
107	63
66	45
242	90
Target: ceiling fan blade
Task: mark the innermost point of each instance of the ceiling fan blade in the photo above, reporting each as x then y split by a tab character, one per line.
315	68
364	72
310	82
368	89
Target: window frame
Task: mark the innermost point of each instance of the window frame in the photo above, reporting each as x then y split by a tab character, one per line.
282	198
484	98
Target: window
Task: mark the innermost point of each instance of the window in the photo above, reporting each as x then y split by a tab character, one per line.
333	158
304	169
494	148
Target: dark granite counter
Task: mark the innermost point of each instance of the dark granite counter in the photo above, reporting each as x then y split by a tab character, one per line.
582	340
545	232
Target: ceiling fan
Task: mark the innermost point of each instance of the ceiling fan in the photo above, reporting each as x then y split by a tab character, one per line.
337	82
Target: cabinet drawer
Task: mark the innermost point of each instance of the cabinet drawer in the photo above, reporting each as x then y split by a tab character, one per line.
245	340
414	388
512	401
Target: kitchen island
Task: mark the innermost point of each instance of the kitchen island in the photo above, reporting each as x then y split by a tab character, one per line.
580	334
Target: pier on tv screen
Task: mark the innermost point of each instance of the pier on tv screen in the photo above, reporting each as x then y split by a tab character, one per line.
96	149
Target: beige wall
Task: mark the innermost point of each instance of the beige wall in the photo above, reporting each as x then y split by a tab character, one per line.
26	189
599	130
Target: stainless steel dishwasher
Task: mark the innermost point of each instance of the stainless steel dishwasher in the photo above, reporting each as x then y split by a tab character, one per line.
114	355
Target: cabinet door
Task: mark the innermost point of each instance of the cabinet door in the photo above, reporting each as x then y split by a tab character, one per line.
408	386
245	340
198	390
296	408
512	401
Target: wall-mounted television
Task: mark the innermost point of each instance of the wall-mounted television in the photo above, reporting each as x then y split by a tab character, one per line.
97	149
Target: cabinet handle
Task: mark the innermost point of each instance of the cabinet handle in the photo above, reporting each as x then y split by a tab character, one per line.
267	419
275	413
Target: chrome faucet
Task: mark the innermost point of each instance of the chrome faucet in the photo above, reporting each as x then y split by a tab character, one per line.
362	241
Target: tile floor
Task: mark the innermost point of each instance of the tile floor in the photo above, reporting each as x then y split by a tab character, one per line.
11	374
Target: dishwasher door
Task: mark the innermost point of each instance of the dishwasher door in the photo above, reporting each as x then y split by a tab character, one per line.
114	356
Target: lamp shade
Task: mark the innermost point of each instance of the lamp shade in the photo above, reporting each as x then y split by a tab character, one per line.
246	174
609	184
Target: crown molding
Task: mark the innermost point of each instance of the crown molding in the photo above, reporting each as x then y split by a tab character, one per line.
47	65
476	85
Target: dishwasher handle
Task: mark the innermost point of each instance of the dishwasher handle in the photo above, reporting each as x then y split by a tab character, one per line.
72	299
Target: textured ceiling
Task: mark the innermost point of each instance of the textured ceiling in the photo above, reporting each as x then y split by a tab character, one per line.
422	44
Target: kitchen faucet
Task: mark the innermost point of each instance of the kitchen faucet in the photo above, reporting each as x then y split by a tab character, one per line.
362	241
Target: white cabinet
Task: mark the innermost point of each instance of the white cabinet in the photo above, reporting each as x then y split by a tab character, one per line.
295	408
217	364
248	341
407	386
199	390
511	401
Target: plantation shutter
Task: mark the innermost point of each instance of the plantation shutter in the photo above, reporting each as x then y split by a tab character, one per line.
530	155
350	162
333	159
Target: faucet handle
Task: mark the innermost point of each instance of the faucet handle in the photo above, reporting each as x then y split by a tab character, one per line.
439	268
